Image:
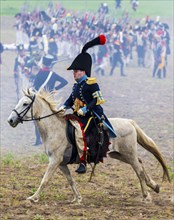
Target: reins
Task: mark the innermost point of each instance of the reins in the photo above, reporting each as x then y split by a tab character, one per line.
39	118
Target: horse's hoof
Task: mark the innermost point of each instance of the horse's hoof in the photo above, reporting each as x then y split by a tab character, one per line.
157	188
33	199
27	204
77	200
147	199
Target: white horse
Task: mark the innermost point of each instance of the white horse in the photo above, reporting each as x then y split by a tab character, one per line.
34	106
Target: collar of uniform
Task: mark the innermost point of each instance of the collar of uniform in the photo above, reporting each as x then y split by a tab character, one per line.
82	79
45	69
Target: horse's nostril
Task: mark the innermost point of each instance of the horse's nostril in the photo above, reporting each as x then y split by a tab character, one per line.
11	120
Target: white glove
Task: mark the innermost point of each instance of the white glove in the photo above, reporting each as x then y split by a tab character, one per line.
62	108
82	111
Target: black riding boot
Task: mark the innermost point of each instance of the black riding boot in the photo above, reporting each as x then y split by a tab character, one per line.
81	168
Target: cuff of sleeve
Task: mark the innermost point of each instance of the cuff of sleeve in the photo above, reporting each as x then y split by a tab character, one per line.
84	109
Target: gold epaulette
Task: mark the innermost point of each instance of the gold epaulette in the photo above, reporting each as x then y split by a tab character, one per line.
91	81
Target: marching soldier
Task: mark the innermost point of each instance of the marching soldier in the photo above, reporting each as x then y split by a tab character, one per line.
101	60
34	60
19	65
52	46
159	53
117	57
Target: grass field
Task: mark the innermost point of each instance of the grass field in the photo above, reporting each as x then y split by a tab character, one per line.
164	8
113	193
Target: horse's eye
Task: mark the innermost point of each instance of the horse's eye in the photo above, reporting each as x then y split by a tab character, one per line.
25	104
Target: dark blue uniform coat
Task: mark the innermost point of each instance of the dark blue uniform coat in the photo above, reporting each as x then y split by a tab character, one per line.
42	76
87	93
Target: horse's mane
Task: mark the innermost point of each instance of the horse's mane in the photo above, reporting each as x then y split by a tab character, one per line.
47	96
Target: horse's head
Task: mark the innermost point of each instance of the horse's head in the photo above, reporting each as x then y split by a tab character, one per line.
23	109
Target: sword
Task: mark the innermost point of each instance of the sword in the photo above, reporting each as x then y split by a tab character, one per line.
111	131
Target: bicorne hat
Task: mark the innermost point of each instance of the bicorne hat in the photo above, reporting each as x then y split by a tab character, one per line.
84	61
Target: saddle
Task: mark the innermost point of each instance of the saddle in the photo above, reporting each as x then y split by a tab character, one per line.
97	143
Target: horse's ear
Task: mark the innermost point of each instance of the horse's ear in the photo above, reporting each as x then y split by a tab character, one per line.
31	91
24	91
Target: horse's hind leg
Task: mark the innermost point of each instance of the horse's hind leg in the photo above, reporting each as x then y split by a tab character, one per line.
52	166
149	182
66	172
137	168
142	178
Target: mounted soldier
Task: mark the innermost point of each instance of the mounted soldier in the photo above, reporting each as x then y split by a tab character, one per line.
86	99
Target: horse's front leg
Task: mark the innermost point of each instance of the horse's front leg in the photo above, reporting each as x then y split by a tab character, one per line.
66	172
52	166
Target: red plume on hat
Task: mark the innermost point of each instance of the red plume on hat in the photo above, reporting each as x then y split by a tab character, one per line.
84	61
100	40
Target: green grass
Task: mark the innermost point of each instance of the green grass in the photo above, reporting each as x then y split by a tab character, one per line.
38	217
8	159
171	170
152	8
41	158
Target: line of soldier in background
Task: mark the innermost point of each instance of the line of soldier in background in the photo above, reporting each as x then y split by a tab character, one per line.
61	32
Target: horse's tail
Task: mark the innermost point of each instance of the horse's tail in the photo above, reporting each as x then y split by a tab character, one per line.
150	146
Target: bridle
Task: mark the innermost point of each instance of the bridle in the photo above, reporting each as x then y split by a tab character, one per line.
24	112
30	106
